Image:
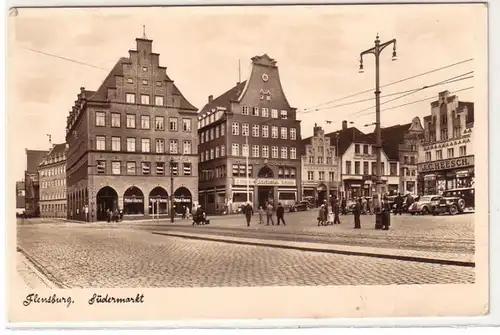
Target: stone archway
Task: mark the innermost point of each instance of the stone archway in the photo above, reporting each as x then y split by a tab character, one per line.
182	199
106	198
133	201
265	172
158	201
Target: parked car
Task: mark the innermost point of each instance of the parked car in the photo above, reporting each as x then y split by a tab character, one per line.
426	204
455	201
300	206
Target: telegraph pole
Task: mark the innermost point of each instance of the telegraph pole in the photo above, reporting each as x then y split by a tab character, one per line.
376	51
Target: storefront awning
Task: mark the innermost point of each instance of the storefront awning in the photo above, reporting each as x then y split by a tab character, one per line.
430	177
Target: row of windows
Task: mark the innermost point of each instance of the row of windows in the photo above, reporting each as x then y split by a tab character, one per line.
393	168
213	133
53	196
53	208
408	172
145	99
264	112
131	145
213	153
451	153
53	183
275	152
311	175
211	174
320	160
145	122
131	168
430	134
283	133
52	171
410	160
240	170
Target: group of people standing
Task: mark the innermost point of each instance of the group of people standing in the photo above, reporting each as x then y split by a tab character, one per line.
267	213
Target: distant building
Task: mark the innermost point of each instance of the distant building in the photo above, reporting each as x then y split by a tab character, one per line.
128	138
20	195
31	182
320	167
358	163
52	177
446	155
254	119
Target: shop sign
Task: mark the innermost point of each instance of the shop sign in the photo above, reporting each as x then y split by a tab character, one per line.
184	200
133	200
160	200
265	182
447	164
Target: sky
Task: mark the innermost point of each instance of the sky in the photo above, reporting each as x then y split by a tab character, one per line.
317	50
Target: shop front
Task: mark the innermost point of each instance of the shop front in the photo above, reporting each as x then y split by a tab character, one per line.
265	190
439	176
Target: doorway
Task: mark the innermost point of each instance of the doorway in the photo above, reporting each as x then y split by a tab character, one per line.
264	194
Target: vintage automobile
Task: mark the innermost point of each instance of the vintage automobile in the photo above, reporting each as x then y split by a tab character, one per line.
426	204
300	206
456	201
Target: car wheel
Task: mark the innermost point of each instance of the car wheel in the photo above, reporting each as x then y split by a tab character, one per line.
425	211
461	205
453	209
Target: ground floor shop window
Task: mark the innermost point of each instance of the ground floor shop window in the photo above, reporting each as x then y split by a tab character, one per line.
158	201
133	201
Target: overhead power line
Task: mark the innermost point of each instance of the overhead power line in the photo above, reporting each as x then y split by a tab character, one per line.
393	83
402	93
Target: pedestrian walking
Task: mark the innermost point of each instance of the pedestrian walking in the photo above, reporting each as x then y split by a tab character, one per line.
269	212
322	216
399	204
248	210
336	211
108	215
386	213
261	215
280	214
357	214
344	206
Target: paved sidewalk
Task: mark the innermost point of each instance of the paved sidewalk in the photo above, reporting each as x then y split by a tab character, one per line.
28	276
444	258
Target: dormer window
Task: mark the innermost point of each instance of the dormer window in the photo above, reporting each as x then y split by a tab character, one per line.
244	110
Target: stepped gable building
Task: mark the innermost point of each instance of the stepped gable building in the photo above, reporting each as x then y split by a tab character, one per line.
31	182
253	118
447	153
320	167
52	174
127	138
358	163
20	194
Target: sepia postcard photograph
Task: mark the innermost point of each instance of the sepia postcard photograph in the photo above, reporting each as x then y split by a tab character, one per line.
247	162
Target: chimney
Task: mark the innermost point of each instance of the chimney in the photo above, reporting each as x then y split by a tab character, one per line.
344	125
210	99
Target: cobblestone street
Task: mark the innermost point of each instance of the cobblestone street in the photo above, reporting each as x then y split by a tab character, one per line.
102	257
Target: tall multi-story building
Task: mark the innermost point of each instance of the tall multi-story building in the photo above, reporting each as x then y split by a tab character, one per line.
320	168
358	163
446	155
31	182
128	138
253	119
52	176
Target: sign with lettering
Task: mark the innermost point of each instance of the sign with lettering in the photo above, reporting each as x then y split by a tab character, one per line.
182	199
133	200
265	182
160	200
447	164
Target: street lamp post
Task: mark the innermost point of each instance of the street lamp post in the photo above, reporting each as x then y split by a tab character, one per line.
172	189
376	51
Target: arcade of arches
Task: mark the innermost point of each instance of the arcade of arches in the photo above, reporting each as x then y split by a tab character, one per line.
133	202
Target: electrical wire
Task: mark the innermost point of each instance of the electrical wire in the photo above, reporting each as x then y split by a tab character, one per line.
393	83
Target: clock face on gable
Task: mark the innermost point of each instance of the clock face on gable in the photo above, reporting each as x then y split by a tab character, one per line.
265	77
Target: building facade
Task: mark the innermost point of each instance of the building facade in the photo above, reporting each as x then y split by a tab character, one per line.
358	163
31	182
127	139
52	176
252	120
20	195
409	157
446	152
320	168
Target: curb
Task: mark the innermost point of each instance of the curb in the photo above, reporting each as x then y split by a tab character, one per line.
38	267
261	243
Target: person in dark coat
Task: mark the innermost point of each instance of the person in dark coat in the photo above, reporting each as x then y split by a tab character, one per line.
322	216
343	206
386	213
357	213
280	214
248	213
399	204
336	211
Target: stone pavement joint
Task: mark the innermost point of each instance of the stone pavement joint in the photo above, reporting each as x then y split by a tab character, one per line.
406	255
44	275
